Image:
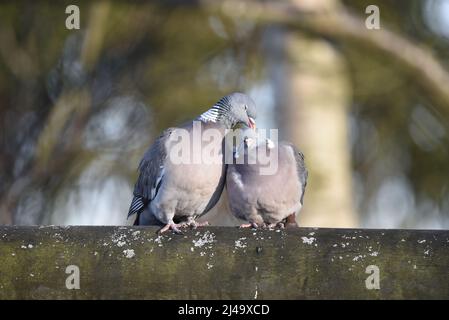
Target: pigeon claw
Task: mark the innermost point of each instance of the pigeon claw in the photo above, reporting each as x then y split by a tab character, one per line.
248	225
281	225
193	224
270	226
170	226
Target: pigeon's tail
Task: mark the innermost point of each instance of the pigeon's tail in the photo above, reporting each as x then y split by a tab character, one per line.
136	221
136	206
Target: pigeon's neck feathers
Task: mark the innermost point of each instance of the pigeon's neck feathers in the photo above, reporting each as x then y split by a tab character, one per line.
219	113
211	115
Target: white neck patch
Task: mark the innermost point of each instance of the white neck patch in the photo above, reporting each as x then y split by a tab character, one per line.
211	115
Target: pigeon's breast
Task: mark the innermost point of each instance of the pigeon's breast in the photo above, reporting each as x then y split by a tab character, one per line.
195	176
194	189
270	195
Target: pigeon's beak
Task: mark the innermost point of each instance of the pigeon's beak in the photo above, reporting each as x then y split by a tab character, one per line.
251	123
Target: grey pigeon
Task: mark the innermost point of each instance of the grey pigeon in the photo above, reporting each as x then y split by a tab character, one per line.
173	193
263	199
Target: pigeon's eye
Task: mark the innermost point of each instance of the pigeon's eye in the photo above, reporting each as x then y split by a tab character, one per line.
246	107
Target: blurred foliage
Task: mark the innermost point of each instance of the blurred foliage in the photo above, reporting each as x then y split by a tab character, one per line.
60	89
397	132
87	103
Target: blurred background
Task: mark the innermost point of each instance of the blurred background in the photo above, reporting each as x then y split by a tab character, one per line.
369	108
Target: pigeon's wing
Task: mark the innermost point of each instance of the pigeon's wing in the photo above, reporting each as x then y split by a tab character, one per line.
151	173
303	174
219	190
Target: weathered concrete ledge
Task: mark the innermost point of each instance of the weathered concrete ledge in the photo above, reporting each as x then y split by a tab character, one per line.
222	263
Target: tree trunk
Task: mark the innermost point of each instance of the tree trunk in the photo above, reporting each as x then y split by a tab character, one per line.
313	94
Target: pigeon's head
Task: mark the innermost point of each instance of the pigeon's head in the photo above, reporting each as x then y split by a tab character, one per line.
251	142
242	110
232	110
248	141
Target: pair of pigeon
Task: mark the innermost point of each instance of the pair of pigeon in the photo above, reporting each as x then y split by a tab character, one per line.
172	194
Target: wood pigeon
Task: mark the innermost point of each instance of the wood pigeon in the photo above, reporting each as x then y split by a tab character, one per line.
173	193
261	198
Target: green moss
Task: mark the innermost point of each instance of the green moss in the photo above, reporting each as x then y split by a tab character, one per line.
222	263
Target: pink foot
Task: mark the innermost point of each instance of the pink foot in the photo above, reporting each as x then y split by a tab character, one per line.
171	226
248	225
193	224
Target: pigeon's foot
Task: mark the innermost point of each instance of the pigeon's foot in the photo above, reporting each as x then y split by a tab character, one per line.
171	226
281	225
193	224
291	221
248	225
271	226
